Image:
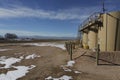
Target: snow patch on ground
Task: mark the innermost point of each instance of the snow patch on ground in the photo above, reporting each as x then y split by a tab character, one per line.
64	77
70	63
13	75
2	58
5	49
8	62
21	57
20	70
32	56
66	69
77	72
47	44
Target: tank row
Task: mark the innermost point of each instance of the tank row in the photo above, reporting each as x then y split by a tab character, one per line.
103	30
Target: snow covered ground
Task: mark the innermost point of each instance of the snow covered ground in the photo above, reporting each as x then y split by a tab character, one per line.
64	77
70	63
32	56
5	49
65	68
8	62
77	72
15	74
59	45
20	70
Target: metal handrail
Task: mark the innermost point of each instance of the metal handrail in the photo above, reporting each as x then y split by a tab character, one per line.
94	17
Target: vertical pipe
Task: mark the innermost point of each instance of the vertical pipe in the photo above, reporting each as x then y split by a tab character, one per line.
116	35
106	32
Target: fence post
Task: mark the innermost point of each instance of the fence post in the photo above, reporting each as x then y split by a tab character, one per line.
67	47
70	50
97	54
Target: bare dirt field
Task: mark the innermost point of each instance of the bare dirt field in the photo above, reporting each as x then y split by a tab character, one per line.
106	70
51	61
48	64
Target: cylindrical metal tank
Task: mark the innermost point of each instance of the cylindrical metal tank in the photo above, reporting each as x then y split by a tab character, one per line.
85	39
92	39
109	33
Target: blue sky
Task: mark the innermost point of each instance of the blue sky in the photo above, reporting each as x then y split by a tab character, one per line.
48	17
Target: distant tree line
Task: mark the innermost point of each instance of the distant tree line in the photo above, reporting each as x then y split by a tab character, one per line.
8	36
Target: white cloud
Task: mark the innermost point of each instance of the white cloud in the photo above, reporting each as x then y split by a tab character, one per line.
68	14
79	13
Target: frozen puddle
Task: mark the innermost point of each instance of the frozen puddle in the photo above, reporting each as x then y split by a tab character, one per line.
47	44
5	49
13	75
32	56
64	77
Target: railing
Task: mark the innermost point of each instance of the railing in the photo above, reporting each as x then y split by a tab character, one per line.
94	17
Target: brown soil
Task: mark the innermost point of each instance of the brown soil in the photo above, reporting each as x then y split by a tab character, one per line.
104	71
52	58
49	64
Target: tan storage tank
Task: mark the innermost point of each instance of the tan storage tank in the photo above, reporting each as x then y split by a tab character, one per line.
92	39
109	34
85	39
